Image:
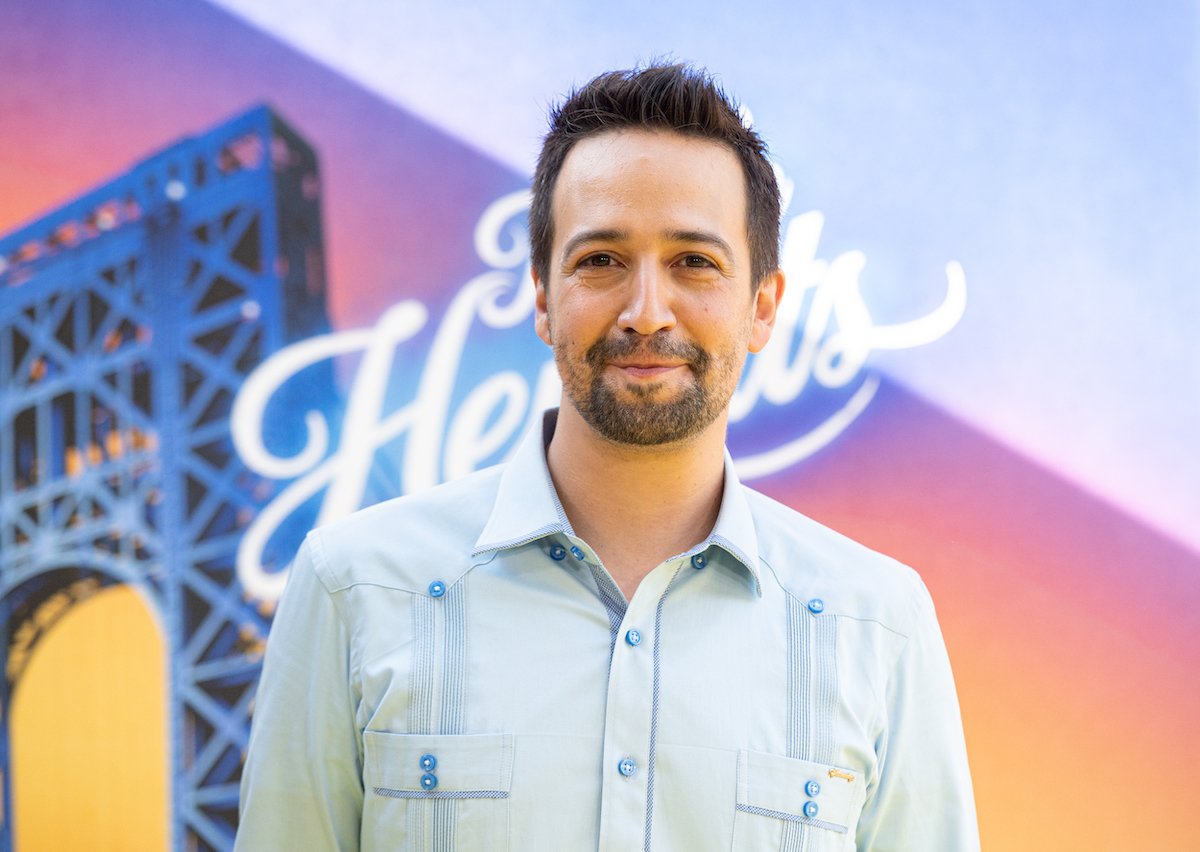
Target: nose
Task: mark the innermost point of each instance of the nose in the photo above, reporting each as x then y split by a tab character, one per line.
648	301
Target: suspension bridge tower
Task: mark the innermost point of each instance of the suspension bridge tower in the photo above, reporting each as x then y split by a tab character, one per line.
128	320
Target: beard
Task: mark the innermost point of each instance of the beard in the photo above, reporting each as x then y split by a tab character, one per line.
644	420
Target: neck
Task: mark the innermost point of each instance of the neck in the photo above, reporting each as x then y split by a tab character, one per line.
636	506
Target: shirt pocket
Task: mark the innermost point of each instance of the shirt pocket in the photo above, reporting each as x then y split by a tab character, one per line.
791	804
436	791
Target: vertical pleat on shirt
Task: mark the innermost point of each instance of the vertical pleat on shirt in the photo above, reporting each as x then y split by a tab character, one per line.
812	696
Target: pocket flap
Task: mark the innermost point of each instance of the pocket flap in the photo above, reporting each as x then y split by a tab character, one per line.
783	787
460	764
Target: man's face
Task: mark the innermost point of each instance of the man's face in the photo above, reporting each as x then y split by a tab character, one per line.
649	306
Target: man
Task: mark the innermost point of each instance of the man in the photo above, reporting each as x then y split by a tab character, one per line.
609	642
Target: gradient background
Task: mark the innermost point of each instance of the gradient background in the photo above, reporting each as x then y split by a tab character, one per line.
1040	465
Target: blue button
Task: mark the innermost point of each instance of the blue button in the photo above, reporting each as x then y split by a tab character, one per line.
437	588
810	809
576	552
428	762
816	605
428	781
558	552
699	561
812	788
627	767
633	637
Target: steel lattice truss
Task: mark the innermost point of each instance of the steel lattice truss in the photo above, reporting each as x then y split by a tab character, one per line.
128	320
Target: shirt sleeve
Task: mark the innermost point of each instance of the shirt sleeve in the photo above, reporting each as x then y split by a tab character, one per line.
302	784
922	799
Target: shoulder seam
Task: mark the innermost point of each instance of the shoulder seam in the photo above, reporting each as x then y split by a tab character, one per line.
916	584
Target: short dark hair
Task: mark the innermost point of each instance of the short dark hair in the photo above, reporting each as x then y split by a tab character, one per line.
676	98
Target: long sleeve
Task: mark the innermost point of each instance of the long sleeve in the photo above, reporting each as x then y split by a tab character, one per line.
922	799
302	784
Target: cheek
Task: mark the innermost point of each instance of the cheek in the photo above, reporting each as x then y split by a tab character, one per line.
729	352
578	324
719	326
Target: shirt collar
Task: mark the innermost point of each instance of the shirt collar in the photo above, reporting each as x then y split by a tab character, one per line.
734	530
527	507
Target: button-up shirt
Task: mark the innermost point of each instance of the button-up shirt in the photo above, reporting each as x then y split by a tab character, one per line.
456	669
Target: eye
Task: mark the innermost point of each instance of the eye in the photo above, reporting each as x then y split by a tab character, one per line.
597	260
697	261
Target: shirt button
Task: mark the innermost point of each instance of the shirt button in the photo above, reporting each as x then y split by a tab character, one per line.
816	605
437	588
428	762
633	637
812	788
627	767
429	781
699	560
810	809
576	552
558	552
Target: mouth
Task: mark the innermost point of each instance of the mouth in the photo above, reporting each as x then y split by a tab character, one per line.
646	369
646	362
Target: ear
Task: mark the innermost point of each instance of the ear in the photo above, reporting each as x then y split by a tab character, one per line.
766	307
541	316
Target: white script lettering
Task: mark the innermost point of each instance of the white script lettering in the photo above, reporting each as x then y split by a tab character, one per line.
824	334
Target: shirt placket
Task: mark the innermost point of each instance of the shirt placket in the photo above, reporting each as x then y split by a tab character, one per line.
630	716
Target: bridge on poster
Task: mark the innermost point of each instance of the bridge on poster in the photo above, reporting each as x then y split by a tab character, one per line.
128	319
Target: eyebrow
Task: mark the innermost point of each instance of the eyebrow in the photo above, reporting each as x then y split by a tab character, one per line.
613	235
599	235
704	238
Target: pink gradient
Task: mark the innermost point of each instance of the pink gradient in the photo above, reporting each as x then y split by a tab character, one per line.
88	90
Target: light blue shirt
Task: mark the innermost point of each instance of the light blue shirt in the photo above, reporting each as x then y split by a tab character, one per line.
457	670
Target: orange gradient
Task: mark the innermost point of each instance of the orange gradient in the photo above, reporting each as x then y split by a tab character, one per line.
89	731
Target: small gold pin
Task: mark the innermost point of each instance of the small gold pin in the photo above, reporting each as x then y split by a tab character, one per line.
840	773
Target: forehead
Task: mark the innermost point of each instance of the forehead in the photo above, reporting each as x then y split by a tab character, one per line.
639	181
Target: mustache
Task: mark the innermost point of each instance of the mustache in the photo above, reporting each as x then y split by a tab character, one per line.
658	344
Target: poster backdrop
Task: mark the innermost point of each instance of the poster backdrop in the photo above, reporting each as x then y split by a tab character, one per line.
262	263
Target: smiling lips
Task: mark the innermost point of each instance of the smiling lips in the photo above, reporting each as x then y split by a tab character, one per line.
645	369
639	358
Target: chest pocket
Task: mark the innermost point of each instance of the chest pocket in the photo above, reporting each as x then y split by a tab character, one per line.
782	802
436	793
